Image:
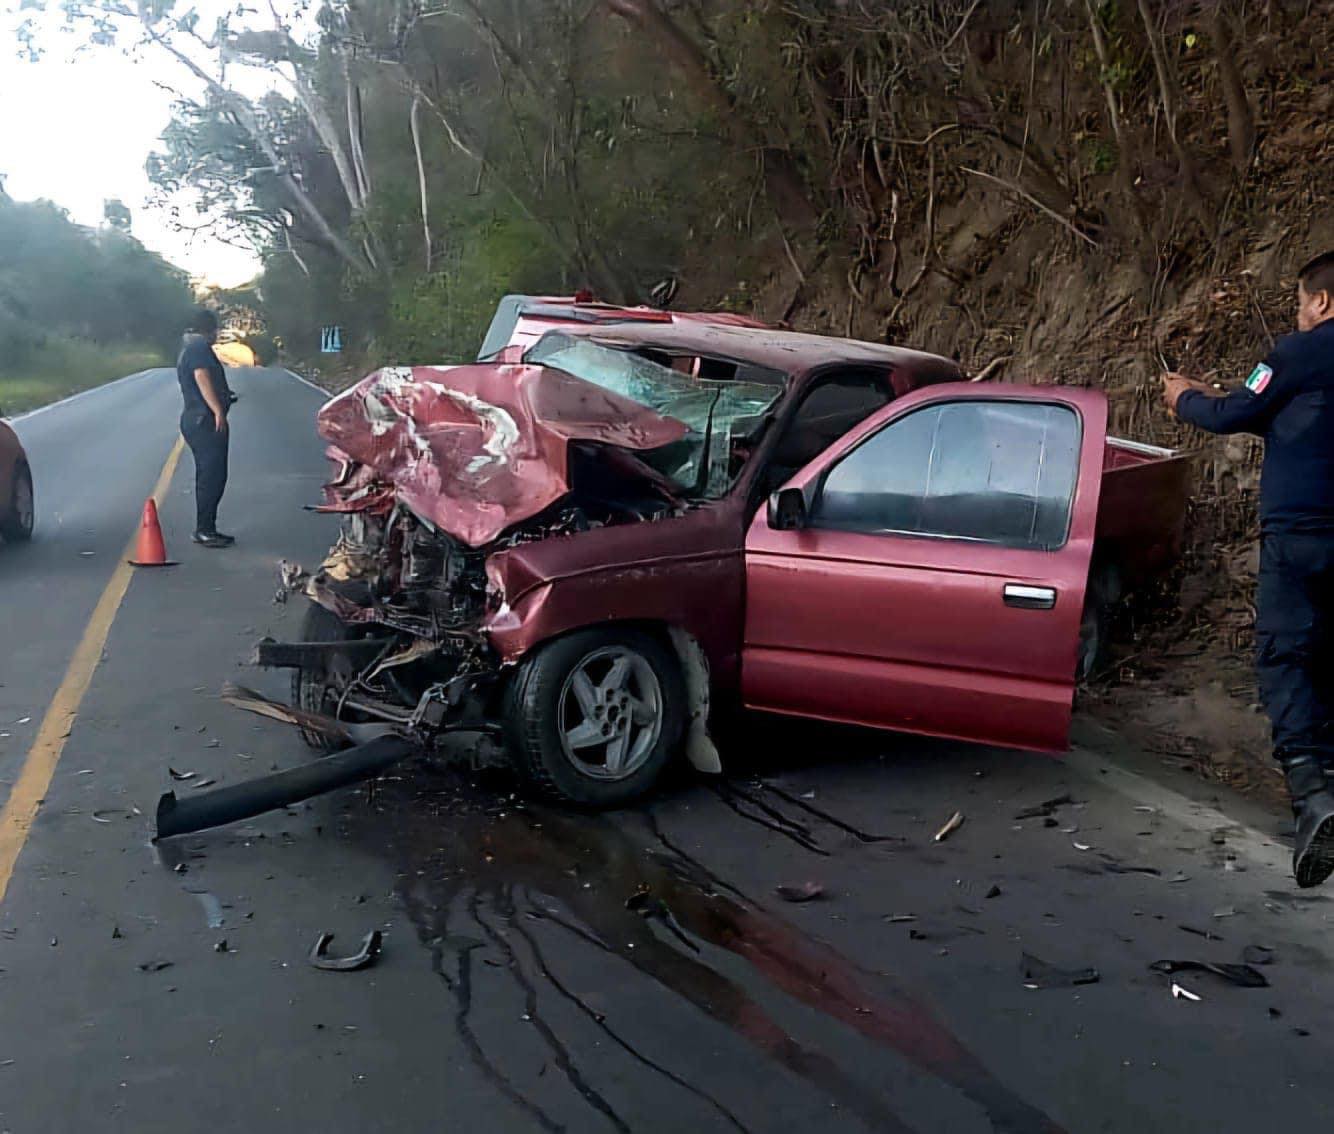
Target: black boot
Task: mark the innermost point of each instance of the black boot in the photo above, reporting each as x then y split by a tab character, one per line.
1313	808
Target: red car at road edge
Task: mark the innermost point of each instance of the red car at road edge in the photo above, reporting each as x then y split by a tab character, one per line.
16	497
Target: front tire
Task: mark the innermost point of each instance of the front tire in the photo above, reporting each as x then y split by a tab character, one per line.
20	517
317	689
592	719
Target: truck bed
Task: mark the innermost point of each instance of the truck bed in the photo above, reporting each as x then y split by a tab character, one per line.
1142	509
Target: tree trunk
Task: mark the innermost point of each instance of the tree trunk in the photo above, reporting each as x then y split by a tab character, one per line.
355	134
414	122
1240	117
245	115
1125	155
1167	92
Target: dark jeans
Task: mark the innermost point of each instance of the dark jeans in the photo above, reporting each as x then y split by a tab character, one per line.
210	452
1294	632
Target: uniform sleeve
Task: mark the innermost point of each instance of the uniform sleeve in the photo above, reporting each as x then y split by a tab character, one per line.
196	356
1247	409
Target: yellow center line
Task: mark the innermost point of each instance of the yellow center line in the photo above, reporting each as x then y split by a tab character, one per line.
40	764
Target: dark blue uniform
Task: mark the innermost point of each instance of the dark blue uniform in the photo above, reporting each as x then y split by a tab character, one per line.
1289	401
207	444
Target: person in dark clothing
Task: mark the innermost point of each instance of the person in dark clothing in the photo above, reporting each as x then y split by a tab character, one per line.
1289	401
207	399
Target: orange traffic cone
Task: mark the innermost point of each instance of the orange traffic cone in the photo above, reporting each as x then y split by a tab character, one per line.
151	551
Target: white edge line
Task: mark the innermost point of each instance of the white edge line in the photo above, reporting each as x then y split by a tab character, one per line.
1253	843
87	393
307	382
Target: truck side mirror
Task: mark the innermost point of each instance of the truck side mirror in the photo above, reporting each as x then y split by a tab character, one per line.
787	510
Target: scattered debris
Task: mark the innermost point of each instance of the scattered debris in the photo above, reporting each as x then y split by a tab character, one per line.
1037	973
367	955
116	934
213	914
899	918
1225	911
954	822
1179	993
204	784
1081	846
799	891
222	947
1258	955
1045	808
175	775
994	892
1243	976
1205	933
154	966
654	909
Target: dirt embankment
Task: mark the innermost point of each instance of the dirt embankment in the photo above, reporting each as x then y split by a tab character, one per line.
1006	286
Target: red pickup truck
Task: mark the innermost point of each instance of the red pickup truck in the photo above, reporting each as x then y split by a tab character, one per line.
584	543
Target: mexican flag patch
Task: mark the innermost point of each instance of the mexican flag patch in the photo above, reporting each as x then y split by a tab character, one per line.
1259	379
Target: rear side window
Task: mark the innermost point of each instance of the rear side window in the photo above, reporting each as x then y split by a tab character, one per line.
993	471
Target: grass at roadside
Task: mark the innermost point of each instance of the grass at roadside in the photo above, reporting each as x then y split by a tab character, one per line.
66	367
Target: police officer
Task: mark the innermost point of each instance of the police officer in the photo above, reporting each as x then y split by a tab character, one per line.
1289	401
207	399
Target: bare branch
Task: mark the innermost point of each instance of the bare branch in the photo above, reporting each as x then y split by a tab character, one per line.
1027	196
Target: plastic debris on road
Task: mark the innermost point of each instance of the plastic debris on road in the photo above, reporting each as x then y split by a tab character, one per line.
1037	973
952	824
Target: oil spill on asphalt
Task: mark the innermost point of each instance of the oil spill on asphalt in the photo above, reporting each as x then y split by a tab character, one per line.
495	887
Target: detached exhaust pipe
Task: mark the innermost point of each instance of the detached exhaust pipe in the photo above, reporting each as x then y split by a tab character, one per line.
254	797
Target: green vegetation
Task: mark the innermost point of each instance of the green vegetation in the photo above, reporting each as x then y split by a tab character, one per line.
79	307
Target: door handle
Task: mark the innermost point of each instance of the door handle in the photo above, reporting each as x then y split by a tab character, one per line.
1029	598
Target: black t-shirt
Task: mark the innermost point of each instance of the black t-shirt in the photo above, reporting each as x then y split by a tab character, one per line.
197	354
1289	401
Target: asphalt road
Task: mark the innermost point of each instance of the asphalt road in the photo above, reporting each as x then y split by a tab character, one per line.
548	971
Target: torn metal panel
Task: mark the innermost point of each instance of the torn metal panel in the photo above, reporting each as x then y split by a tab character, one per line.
700	749
477	449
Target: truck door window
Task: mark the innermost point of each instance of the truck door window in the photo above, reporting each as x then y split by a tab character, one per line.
994	471
826	413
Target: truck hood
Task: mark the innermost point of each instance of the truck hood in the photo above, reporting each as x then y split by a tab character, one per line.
475	449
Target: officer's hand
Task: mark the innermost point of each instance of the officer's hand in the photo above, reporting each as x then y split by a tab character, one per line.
220	422
1174	385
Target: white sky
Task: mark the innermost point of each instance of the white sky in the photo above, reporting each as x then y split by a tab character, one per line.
77	132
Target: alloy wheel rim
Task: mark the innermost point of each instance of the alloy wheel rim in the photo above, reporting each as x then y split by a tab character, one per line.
609	714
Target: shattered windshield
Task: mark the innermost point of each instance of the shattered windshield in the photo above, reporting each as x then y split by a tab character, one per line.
719	410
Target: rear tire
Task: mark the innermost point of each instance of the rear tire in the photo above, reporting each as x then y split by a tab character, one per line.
592	719
20	515
1100	599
